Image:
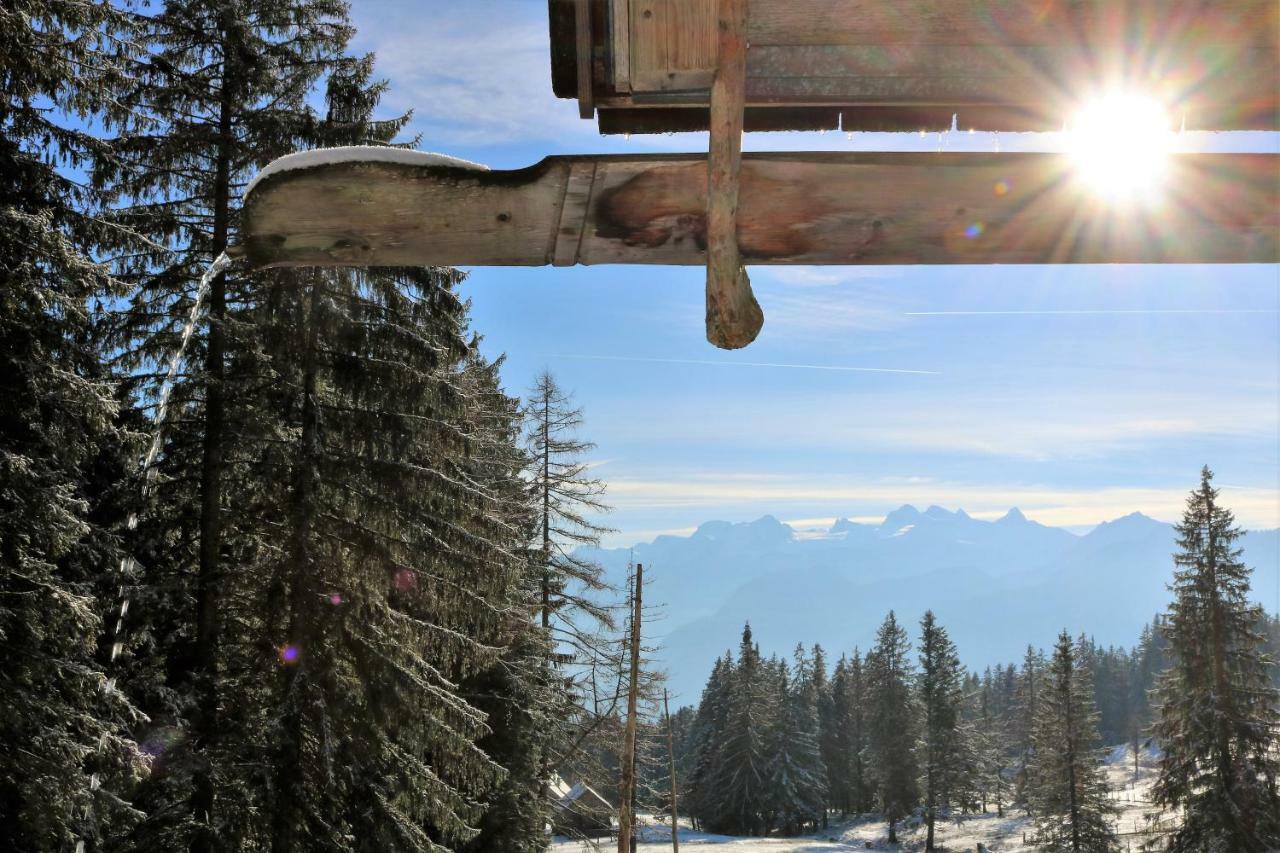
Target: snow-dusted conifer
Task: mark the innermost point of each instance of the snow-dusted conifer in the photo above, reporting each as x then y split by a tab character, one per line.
1066	791
1026	697
705	802
223	88
744	768
892	724
940	751
1219	716
798	789
65	759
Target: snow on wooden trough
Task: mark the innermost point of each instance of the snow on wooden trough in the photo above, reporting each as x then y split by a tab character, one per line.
384	208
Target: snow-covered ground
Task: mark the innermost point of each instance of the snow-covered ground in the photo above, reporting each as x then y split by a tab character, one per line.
997	834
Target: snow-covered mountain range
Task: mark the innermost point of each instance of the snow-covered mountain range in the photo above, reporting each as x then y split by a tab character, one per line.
996	585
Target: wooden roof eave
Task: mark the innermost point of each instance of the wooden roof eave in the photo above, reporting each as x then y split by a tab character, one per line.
1007	65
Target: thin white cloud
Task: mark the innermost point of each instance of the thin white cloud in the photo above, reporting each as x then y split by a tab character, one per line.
1092	311
475	79
1038	424
1254	507
708	362
826	276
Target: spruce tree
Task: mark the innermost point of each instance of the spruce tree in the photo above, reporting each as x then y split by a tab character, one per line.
705	802
744	765
64	749
515	692
892	724
1066	790
1219	715
223	88
990	747
827	725
1025	706
854	722
941	750
798	790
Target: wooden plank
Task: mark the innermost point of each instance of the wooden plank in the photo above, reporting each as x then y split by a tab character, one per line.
648	43
620	44
1113	24
675	120
674	45
586	79
1215	63
824	208
733	315
573	212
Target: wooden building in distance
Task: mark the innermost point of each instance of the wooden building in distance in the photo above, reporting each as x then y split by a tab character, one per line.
579	811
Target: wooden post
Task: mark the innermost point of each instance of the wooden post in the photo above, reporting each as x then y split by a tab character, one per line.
671	758
734	317
625	817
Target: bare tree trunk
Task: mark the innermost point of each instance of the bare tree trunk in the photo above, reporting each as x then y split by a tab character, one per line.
671	758
208	569
625	816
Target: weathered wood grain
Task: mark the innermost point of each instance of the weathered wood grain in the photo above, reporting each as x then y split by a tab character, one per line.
734	318
582	34
827	208
1215	63
620	44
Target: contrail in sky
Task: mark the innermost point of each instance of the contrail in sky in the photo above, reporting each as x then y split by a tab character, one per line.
1095	311
750	364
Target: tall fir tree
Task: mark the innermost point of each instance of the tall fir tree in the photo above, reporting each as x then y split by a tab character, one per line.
798	790
64	751
744	764
222	89
516	691
1219	716
892	724
826	708
990	747
1026	698
707	745
1066	790
941	750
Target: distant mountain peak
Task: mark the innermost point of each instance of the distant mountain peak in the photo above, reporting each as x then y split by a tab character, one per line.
936	511
843	525
712	529
1013	516
901	517
766	527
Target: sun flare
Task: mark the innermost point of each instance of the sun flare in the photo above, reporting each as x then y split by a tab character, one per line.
1121	144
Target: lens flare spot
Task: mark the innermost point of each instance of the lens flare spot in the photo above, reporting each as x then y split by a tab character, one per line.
974	230
1120	143
1001	188
335	598
406	579
290	653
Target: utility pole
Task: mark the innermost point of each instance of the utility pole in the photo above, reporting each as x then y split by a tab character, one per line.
626	817
671	758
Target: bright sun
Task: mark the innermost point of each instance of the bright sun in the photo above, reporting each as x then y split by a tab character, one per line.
1121	144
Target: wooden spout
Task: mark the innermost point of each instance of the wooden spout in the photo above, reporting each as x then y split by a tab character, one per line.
734	317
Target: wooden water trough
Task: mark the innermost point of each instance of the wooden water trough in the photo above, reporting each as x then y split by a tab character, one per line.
658	65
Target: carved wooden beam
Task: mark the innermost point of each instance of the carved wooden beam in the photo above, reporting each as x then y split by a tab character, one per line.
734	317
818	208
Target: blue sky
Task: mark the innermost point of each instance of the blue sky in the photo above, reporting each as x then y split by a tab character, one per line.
1076	393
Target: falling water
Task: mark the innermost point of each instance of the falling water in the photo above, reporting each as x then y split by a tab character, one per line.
128	564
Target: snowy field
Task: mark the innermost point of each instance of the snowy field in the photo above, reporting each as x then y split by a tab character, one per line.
1136	820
